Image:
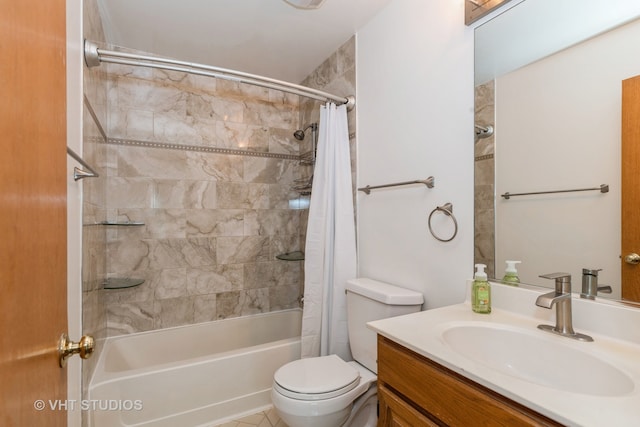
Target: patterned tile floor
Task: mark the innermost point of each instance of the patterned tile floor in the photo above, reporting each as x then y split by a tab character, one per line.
267	418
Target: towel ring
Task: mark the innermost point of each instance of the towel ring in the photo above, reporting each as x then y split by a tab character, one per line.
447	209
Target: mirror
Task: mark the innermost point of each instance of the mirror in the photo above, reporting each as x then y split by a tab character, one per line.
548	80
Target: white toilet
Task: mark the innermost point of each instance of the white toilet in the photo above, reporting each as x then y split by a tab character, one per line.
327	391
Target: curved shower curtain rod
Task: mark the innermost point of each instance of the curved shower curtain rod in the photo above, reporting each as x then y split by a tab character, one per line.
94	56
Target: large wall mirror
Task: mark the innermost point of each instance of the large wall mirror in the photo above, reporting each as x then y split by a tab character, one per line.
548	118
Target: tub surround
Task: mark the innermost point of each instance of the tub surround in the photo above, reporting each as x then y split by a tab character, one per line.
207	165
617	342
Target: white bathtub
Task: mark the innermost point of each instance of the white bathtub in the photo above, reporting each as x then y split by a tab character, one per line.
192	375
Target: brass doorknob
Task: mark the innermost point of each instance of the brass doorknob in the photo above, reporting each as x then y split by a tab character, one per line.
632	259
67	348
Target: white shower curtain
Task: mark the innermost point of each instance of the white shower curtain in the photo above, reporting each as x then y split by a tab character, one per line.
330	249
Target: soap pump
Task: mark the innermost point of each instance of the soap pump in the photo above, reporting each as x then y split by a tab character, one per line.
511	274
481	291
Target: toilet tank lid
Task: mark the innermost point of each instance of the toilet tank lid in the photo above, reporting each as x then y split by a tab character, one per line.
384	292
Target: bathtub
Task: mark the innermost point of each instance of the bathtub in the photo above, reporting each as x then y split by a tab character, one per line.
196	375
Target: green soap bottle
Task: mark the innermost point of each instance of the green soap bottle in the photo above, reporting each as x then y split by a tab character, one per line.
511	274
481	291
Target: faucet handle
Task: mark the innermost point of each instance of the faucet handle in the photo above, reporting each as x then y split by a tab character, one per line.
563	281
557	276
590	286
591	272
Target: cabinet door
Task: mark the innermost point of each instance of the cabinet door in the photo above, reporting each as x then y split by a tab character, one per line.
395	412
443	396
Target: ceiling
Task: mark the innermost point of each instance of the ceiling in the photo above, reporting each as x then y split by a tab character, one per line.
266	37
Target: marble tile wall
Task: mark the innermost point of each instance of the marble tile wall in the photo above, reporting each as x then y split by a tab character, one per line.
213	221
337	75
484	180
94	204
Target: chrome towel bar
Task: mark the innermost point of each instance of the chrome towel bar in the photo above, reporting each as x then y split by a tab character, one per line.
429	182
81	173
604	188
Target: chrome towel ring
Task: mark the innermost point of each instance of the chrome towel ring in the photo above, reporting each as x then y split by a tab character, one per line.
447	209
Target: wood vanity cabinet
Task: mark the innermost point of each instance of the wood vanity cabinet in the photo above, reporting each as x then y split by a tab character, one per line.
415	391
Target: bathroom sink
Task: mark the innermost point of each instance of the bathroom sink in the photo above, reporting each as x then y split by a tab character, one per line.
529	356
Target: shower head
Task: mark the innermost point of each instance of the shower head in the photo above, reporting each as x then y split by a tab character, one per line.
483	131
299	134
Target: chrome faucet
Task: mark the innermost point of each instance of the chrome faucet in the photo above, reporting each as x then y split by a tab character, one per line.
590	286
561	298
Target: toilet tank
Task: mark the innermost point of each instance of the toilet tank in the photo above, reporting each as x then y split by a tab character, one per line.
369	300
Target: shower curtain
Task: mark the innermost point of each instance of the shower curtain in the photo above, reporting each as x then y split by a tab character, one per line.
330	249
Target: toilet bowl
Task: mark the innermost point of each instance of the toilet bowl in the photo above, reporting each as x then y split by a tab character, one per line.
327	391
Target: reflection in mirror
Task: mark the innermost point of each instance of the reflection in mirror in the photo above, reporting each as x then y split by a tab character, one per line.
557	126
476	9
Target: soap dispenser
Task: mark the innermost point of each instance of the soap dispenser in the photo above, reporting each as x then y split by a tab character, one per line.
481	291
511	274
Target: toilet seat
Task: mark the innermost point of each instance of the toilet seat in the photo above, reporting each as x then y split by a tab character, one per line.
316	378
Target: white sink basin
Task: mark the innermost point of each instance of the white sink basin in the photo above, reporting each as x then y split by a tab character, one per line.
537	359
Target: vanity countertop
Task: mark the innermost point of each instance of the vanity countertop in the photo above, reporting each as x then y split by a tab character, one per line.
514	309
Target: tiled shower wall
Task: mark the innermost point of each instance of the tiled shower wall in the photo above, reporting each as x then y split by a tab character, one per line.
484	180
214	221
214	217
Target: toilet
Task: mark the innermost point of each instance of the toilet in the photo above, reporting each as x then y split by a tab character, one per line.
327	391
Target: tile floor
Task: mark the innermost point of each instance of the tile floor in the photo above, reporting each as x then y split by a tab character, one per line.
267	418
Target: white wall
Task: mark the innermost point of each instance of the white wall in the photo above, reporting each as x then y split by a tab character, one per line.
558	127
515	39
415	119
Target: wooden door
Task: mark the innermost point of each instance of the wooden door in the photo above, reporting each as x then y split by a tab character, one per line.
630	187
33	298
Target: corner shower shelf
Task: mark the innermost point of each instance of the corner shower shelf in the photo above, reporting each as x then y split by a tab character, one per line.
291	256
122	283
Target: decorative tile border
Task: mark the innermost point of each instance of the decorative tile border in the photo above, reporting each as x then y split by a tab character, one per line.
199	148
484	157
185	147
